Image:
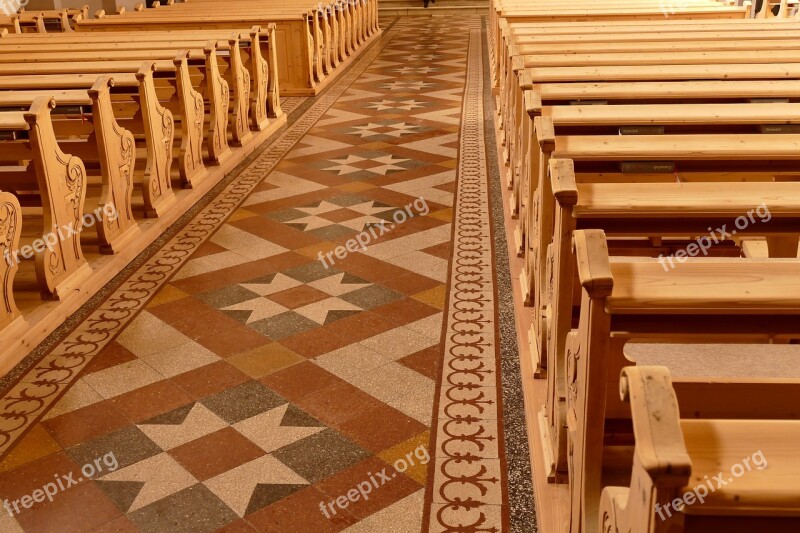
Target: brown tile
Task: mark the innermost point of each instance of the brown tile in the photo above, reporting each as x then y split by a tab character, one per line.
369	268
298	381
204	458
340	215
151	400
240	273
167	293
31	476
239	526
90	505
298	296
337	403
208	248
36	443
120	525
380	428
441	250
237	339
426	361
282	516
112	354
210	379
359	327
85	423
405	311
435	297
277	232
187	309
410	283
315	342
386	493
265	360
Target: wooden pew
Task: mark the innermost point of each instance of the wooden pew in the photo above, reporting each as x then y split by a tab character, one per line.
136	96
645	208
307	39
188	105
624	300
58	181
251	50
99	140
672	457
10	229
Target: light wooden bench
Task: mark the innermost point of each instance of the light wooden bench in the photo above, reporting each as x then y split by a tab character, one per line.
99	140
187	105
11	230
679	451
647	208
34	162
137	106
250	50
624	300
306	39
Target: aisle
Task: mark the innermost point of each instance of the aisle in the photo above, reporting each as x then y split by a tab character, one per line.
316	348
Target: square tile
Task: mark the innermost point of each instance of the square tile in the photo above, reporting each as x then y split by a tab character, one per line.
202	457
36	443
127	446
372	296
246	400
265	360
314	342
281	517
300	380
298	296
284	325
85	423
151	400
394	428
210	379
320	456
192	510
309	272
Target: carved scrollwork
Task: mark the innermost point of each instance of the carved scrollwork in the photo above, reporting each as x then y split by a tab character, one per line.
573	360
10	227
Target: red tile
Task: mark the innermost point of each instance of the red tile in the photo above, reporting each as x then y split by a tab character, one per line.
337	403
426	361
210	379
405	311
359	327
302	506
315	342
385	494
151	400
277	232
203	458
237	339
410	283
380	428
112	354
300	380
85	423
298	296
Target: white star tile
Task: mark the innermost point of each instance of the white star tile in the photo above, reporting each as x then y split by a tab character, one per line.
162	477
265	430
198	423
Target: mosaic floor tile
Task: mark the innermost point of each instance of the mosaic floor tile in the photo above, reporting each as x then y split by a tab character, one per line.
259	383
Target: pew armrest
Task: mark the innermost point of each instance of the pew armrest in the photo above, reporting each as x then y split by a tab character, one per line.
594	269
660	447
562	177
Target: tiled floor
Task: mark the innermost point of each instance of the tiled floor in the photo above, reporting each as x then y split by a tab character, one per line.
247	384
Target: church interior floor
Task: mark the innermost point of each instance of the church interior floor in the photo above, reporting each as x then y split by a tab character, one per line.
255	372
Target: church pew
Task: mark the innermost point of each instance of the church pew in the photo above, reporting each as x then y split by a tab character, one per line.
251	49
33	161
646	208
136	103
187	103
625	300
11	230
672	458
99	140
306	54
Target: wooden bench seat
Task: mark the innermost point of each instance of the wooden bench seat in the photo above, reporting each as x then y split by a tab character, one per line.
700	310
32	161
675	455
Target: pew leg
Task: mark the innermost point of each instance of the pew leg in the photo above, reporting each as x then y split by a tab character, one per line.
192	110
10	231
60	268
117	150
241	94
159	131
782	246
219	97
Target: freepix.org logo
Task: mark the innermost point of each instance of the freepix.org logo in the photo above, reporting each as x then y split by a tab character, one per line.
11	7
